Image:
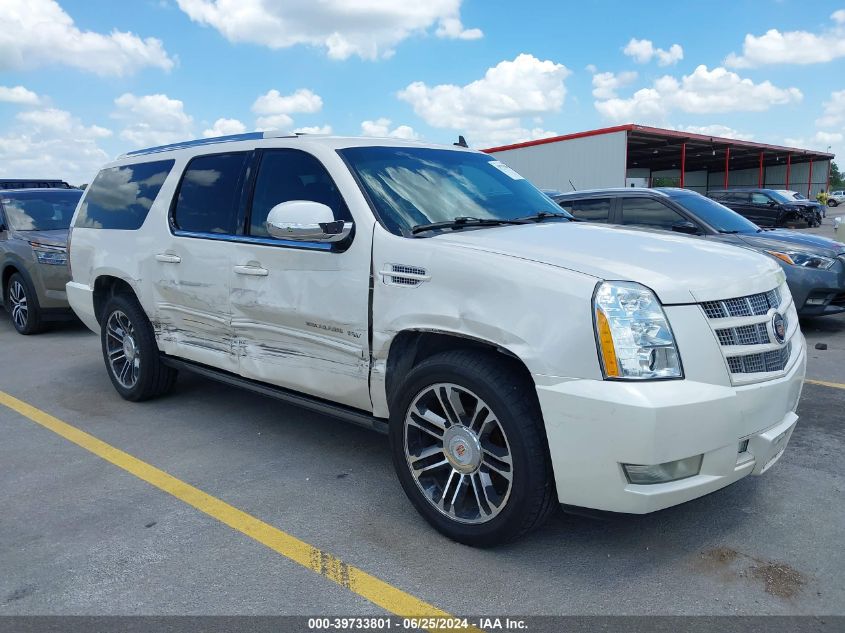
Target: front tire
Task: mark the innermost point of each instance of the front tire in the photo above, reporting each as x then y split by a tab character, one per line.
130	351
470	450
832	203
22	305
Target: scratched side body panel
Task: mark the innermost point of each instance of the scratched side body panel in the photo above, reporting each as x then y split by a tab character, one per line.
535	311
304	325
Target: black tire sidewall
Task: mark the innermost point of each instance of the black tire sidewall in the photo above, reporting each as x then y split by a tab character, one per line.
144	338
33	309
527	473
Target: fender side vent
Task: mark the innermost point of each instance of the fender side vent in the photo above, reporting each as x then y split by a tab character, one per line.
403	275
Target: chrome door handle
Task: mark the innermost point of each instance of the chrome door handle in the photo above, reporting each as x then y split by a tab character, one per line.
255	271
167	258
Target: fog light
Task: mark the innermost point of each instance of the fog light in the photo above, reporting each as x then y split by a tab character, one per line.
816	300
662	473
743	446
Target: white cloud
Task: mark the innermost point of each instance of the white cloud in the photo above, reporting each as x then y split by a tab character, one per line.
314	129
36	33
605	85
792	47
52	143
367	28
224	127
834	111
381	128
701	92
19	95
643	51
489	110
152	119
716	129
820	141
274	109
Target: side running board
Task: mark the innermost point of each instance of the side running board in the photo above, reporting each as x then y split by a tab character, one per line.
318	405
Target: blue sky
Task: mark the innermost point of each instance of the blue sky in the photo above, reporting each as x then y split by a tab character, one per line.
84	80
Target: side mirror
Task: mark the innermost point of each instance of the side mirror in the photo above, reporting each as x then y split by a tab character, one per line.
306	221
687	228
772	203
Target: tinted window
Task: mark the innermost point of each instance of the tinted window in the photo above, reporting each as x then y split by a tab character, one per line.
647	212
209	193
40	210
286	175
415	185
716	215
596	210
121	197
759	198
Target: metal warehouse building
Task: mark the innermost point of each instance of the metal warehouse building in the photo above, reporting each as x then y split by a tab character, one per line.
641	156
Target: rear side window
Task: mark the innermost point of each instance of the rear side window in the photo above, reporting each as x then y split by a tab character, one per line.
121	197
651	213
207	201
595	210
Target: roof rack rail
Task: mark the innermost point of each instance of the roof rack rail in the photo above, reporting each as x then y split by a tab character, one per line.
248	136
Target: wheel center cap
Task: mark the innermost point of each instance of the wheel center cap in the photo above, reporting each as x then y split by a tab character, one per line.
462	449
129	348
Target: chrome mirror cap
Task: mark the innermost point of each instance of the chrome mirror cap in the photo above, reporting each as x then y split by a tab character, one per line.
306	221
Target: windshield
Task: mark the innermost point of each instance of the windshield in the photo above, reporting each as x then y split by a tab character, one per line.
716	215
40	210
781	196
411	186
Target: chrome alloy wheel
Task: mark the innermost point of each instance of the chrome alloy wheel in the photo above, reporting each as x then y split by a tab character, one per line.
124	356
458	453
17	301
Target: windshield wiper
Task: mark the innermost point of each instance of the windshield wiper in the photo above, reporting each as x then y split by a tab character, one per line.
463	222
543	215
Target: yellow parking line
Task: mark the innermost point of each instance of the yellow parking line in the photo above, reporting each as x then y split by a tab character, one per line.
824	383
330	567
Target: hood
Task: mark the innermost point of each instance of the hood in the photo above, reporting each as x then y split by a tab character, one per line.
677	268
804	204
780	239
56	237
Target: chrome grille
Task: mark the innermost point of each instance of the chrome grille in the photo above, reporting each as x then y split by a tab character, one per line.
752	305
749	329
757	334
774	360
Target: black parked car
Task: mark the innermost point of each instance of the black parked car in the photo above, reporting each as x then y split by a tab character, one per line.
814	265
769	207
33	183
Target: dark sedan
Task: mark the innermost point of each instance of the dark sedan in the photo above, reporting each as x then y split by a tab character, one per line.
814	265
770	207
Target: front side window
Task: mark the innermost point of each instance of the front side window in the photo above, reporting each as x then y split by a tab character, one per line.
760	199
412	186
594	210
121	197
40	210
209	193
286	175
641	211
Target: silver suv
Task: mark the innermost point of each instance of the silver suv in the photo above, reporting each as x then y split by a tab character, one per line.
33	254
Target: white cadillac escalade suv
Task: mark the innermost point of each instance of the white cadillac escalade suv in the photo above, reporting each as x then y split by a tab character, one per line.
517	358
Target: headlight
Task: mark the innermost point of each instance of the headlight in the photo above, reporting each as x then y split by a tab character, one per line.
805	260
49	254
633	335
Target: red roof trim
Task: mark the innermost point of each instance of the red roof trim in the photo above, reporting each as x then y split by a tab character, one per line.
565	137
631	127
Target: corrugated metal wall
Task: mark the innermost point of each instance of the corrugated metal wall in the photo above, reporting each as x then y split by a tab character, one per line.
775	177
589	162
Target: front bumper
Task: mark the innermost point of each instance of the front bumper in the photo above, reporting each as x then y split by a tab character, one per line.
594	427
824	288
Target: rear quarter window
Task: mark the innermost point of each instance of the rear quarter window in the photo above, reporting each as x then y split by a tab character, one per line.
121	197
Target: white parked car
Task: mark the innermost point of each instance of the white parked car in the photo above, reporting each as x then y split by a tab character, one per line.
517	359
836	198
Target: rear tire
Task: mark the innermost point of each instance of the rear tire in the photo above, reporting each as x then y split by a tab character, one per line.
130	352
22	305
470	449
